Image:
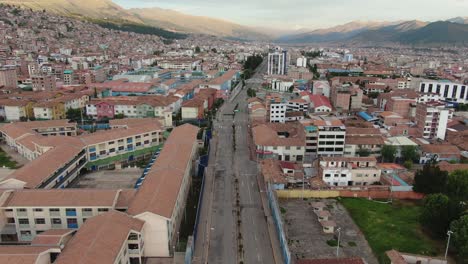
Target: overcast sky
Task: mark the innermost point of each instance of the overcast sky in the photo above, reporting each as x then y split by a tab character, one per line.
290	14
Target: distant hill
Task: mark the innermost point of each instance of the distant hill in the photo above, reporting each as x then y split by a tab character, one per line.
108	13
181	22
436	33
97	9
407	32
337	33
459	20
388	33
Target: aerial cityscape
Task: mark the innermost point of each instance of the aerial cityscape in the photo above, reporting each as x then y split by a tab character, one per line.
201	132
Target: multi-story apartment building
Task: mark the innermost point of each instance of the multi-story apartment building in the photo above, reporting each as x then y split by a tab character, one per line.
346	97
8	77
111	237
278	62
431	119
277	111
43	82
284	141
325	137
363	140
31	212
449	91
160	201
56	161
49	110
350	171
15	110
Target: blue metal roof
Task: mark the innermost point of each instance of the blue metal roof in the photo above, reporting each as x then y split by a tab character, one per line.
365	116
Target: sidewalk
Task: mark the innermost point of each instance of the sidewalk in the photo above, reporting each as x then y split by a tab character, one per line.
275	244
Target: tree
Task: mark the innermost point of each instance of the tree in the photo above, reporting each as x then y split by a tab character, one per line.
430	180
214	50
389	153
457	185
291	89
409	153
119	116
197	49
460	237
74	114
435	213
408	164
362	152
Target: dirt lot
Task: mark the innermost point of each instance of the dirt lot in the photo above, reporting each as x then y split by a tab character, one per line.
108	179
306	238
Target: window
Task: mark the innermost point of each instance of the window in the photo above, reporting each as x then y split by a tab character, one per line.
37	209
327	175
87	210
56	221
39	221
72	223
111	150
21	210
54	210
10	220
102	209
23	221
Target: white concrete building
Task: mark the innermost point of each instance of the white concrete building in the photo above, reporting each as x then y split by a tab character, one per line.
278	62
352	171
301	62
449	91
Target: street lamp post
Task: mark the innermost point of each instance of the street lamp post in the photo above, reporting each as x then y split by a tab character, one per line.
338	245
449	233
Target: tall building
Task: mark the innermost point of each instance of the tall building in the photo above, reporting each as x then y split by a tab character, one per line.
449	91
432	119
43	83
8	77
301	62
278	62
348	57
325	137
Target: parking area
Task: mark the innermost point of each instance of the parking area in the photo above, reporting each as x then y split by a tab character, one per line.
109	179
307	239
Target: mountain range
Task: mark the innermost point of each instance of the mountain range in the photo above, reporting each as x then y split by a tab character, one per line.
155	17
454	30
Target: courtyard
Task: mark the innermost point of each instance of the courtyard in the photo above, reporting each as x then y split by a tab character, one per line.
306	238
108	179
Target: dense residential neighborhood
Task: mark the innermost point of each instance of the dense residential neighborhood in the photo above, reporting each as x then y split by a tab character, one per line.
120	146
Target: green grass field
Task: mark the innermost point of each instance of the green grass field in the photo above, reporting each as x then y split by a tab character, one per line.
391	226
6	161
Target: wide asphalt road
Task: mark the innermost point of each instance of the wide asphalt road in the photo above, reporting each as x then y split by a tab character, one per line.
218	238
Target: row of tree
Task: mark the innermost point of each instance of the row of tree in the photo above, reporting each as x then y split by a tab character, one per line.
251	64
445	206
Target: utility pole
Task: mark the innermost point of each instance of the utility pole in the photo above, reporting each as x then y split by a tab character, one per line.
338	245
449	233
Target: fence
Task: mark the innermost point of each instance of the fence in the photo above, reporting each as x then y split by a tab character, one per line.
189	250
374	193
279	225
